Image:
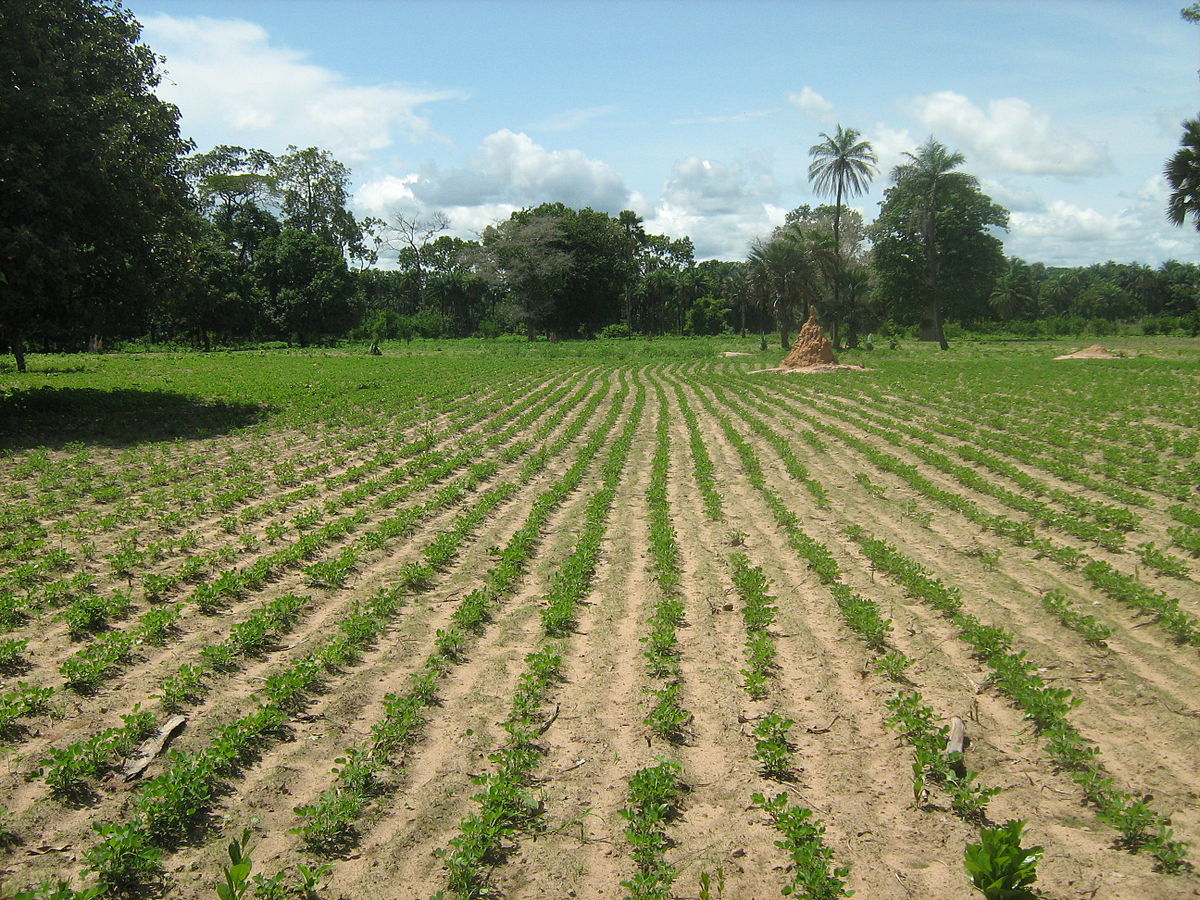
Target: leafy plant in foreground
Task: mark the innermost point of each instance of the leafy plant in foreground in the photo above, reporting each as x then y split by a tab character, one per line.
1000	868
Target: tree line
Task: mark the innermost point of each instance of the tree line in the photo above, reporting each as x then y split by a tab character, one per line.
113	227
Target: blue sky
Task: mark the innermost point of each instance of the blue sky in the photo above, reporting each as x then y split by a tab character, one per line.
699	115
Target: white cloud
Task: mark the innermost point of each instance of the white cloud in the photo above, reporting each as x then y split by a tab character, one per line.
720	206
1064	233
809	101
508	173
510	168
1013	197
233	85
1009	135
386	195
890	146
1068	223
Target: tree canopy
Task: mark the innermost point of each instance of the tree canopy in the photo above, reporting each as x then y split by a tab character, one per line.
92	195
934	251
1183	177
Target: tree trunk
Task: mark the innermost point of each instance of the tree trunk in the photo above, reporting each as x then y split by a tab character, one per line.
530	331
931	325
18	348
836	325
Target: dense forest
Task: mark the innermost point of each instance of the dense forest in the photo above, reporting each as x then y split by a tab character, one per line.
113	228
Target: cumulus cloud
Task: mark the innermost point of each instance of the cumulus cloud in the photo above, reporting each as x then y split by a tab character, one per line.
1013	197
890	145
384	196
511	168
1068	223
1067	234
1009	135
722	207
510	171
812	103
233	85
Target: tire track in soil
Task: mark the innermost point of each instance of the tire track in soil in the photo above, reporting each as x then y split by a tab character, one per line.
946	662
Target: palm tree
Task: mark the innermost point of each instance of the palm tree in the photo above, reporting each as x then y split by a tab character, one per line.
1183	176
843	166
927	175
790	270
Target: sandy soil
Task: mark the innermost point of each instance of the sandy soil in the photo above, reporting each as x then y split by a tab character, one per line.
1140	696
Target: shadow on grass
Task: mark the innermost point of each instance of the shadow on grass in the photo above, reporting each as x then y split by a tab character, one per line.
47	416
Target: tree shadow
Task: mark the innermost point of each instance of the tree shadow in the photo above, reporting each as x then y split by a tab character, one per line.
53	417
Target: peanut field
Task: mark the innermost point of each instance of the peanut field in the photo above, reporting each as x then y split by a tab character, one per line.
626	619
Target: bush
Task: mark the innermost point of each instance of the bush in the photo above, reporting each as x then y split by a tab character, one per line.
428	324
489	327
615	330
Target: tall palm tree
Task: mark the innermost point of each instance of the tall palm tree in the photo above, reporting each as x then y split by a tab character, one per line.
1183	176
842	165
928	175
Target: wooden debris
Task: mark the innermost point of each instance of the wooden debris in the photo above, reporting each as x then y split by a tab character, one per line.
136	764
955	742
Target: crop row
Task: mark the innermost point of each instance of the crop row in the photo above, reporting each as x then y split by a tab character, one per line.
1014	675
1119	586
86	670
193	680
506	806
132	553
168	806
330	823
813	872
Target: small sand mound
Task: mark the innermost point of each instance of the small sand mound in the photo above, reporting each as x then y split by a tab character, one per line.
812	348
799	370
1093	352
730	354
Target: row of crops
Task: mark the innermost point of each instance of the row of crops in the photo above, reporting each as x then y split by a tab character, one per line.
628	630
